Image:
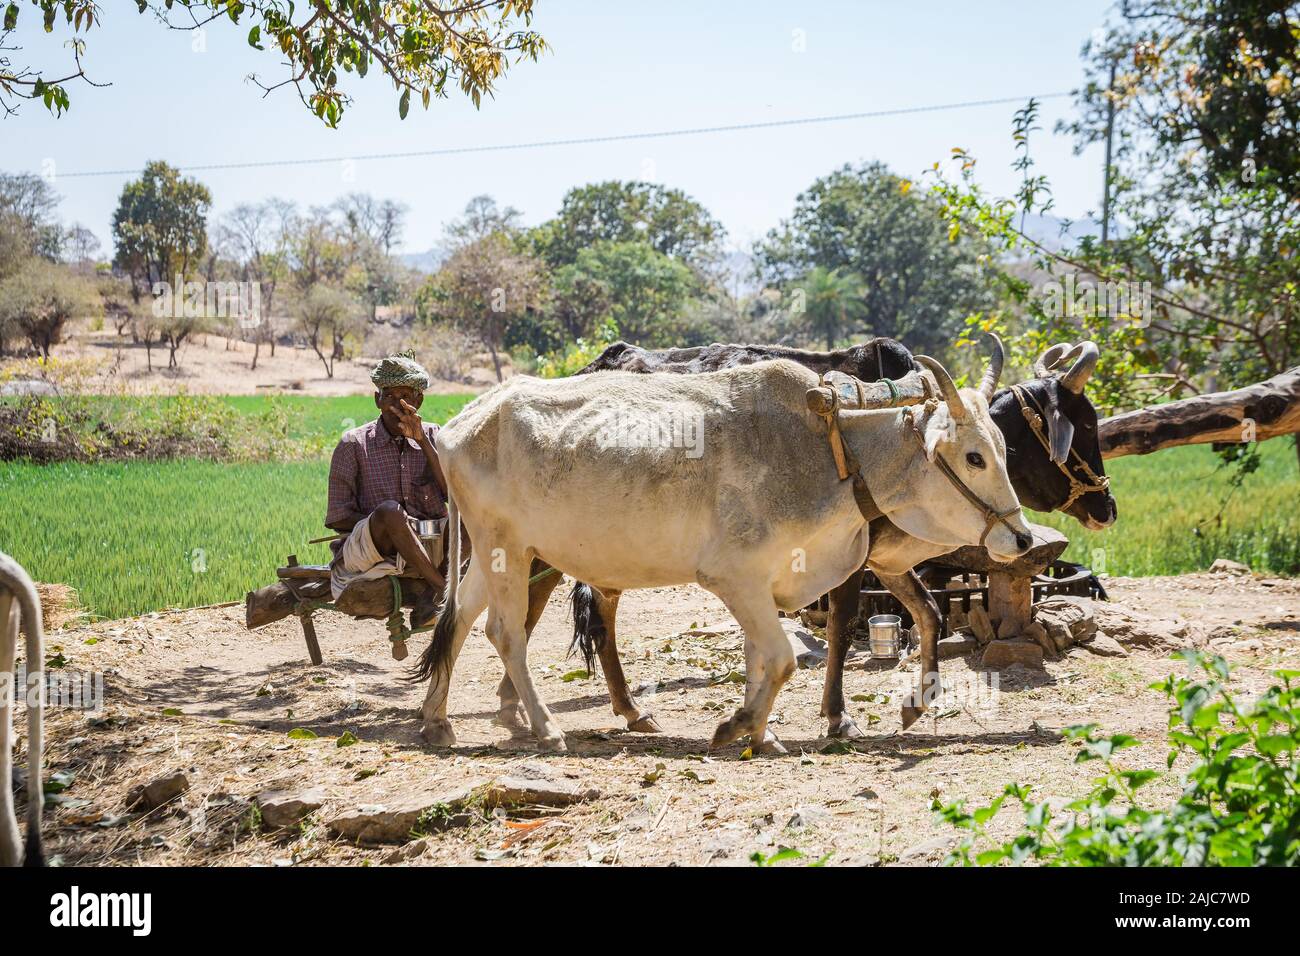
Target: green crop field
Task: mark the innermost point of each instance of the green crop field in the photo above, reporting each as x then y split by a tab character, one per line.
1173	517
136	536
139	536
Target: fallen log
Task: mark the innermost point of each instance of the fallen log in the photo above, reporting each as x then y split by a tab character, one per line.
1257	412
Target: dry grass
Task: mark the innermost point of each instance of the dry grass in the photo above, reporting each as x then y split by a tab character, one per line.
191	691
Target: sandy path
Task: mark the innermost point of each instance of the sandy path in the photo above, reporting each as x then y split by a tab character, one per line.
240	694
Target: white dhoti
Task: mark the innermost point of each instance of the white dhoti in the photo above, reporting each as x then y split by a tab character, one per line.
360	560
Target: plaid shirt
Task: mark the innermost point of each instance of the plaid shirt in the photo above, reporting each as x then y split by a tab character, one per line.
371	466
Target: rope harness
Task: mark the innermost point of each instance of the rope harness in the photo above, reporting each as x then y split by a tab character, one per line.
991	515
847	466
1035	419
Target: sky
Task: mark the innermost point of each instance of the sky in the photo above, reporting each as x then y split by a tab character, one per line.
615	67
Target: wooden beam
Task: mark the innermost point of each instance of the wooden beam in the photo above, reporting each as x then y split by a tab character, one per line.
1257	412
271	603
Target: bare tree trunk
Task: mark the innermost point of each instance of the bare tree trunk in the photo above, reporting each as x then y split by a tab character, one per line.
1257	412
257	347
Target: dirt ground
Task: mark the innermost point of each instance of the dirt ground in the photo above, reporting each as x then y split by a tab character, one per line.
194	692
208	367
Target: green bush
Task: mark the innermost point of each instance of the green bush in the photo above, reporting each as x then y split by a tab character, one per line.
578	355
1240	804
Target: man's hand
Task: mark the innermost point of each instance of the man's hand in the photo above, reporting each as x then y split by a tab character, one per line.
408	421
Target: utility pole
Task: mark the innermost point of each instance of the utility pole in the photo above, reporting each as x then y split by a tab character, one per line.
1110	136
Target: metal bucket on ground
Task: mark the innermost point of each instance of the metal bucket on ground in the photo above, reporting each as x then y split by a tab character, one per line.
885	633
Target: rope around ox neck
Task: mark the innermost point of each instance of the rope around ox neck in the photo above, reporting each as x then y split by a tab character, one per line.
1035	419
991	514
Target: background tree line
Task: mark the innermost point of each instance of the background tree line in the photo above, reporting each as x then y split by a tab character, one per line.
862	255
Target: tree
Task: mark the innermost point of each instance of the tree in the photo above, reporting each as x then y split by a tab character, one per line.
1206	110
667	220
423	46
483	286
27	224
327	316
258	239
117	302
80	246
160	227
379	220
1220	75
1203	252
647	291
865	220
578	301
482	218
319	251
830	301
40	298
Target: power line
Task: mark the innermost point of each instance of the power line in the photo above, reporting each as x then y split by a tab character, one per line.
581	141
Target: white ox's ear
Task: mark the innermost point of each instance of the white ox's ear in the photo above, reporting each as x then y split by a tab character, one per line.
939	429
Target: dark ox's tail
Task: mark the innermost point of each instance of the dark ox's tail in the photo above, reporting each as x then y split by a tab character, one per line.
436	658
588	626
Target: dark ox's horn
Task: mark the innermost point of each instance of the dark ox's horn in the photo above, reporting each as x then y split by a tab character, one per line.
946	387
1077	377
989	384
1047	362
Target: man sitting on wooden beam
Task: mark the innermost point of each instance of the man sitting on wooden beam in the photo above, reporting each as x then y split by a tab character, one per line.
383	477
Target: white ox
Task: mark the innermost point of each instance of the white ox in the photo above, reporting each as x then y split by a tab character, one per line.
752	509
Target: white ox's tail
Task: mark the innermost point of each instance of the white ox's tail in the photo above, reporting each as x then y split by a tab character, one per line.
15	585
436	656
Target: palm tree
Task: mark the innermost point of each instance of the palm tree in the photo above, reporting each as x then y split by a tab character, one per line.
832	300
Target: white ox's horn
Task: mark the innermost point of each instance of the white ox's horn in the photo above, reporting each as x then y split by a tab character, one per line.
989	384
946	387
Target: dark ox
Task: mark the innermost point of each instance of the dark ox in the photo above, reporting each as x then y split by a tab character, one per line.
1067	475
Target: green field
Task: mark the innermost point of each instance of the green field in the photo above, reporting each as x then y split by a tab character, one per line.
134	537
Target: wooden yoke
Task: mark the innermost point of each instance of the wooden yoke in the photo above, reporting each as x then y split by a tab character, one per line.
912	389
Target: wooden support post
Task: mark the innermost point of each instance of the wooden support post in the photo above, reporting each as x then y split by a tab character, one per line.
309	632
308	628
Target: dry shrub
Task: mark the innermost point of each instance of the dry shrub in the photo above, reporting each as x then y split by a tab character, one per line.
448	354
59	605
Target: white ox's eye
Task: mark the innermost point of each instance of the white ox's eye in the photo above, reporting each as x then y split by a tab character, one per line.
975	459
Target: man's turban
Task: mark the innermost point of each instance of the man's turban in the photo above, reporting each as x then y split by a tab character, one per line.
400	371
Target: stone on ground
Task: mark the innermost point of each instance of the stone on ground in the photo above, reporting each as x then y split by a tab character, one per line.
809	650
1224	566
156	793
1105	646
1002	654
957	645
980	625
1067	620
407	818
286	808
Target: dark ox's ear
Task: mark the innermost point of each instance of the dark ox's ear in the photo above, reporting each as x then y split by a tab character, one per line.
1060	433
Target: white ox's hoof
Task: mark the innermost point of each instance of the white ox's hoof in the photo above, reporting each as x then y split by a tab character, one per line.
645	724
769	746
843	728
554	744
437	732
513	719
